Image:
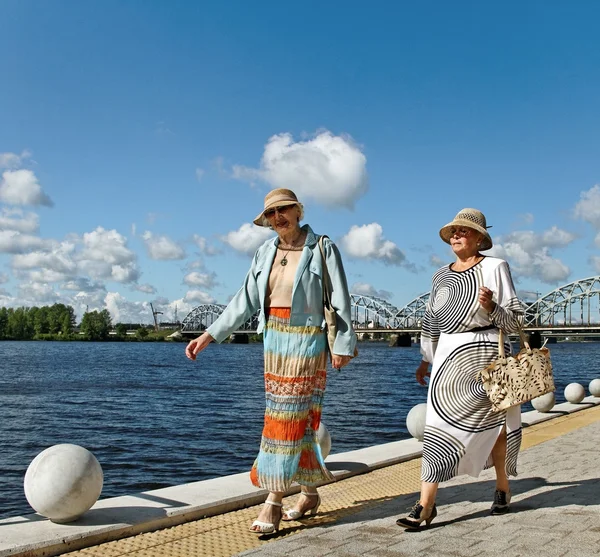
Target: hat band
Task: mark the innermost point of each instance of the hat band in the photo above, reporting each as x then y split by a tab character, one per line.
278	199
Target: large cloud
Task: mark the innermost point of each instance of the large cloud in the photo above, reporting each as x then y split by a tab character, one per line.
21	187
105	255
124	311
15	242
367	242
162	248
327	168
17	220
247	238
530	254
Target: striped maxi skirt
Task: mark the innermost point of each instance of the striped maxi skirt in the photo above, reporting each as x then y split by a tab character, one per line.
295	378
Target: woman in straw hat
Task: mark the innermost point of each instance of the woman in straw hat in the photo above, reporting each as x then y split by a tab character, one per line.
285	283
470	300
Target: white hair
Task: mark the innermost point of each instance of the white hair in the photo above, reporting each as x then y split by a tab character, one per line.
265	220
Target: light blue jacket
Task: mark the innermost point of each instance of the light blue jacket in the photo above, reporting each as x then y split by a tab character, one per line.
307	293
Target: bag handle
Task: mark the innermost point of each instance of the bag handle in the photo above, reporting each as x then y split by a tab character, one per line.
523	339
326	289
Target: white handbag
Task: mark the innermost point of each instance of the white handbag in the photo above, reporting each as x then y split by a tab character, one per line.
513	380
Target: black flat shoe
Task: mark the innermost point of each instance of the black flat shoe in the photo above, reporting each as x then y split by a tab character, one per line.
501	504
417	515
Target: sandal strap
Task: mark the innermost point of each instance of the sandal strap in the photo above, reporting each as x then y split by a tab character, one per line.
274	503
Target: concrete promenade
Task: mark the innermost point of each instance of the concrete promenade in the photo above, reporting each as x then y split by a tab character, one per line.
556	508
555	512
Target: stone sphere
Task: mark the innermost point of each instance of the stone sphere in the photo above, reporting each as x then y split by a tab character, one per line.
63	482
595	387
574	393
324	439
544	403
415	421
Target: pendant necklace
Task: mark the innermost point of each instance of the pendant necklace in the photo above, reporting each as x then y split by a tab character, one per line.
284	261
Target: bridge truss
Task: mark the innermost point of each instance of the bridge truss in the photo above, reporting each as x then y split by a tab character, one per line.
574	304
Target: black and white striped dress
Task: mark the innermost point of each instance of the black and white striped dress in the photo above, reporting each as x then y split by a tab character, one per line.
460	428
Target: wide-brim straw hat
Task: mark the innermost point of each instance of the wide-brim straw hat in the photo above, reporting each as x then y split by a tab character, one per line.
468	218
276	198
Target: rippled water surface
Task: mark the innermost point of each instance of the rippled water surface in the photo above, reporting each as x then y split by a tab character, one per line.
154	419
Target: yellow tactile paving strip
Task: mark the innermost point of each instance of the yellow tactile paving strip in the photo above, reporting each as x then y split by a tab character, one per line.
227	534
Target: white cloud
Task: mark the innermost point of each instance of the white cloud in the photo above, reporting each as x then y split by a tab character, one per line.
21	187
199	174
145	288
588	207
12	160
15	242
82	284
16	219
38	293
436	261
365	289
595	263
105	255
199	296
529	254
248	238
59	260
162	248
124	311
202	280
327	168
3	278
368	242
204	247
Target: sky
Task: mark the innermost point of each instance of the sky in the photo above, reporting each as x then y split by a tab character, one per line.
139	138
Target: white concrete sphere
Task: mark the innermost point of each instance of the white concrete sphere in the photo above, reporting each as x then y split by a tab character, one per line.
324	440
594	387
574	393
415	421
544	403
63	482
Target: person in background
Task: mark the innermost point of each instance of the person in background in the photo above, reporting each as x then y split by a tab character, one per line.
470	300
285	284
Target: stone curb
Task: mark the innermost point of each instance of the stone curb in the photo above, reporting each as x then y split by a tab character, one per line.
119	517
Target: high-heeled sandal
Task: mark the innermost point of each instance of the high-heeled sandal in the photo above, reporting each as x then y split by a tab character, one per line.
267	527
293	514
417	515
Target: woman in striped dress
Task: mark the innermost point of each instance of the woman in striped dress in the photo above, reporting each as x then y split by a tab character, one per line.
470	300
285	284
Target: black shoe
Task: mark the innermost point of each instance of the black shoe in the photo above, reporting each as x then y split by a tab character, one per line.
501	504
417	515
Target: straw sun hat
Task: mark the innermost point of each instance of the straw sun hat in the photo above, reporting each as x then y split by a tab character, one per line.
468	218
277	198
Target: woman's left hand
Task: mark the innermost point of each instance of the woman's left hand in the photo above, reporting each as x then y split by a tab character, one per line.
485	299
338	362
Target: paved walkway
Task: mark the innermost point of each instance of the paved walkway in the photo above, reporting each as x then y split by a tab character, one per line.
555	513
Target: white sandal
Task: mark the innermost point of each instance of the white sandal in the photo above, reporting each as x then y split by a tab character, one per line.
267	527
293	514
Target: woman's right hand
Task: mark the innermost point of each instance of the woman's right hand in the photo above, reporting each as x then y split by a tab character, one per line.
197	345
422	372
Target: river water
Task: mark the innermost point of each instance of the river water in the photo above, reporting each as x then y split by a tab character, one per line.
154	419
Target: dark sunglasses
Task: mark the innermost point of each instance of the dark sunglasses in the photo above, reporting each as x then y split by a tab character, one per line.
271	212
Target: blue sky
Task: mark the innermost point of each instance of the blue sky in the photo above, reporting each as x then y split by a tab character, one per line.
138	139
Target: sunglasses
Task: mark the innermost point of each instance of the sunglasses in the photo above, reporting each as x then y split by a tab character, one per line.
271	212
460	232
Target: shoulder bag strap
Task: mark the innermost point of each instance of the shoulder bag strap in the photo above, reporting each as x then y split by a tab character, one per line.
326	287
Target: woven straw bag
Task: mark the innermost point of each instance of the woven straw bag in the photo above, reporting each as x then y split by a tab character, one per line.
328	311
513	380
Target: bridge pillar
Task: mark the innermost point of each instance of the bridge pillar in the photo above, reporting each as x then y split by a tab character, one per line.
403	339
240	338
